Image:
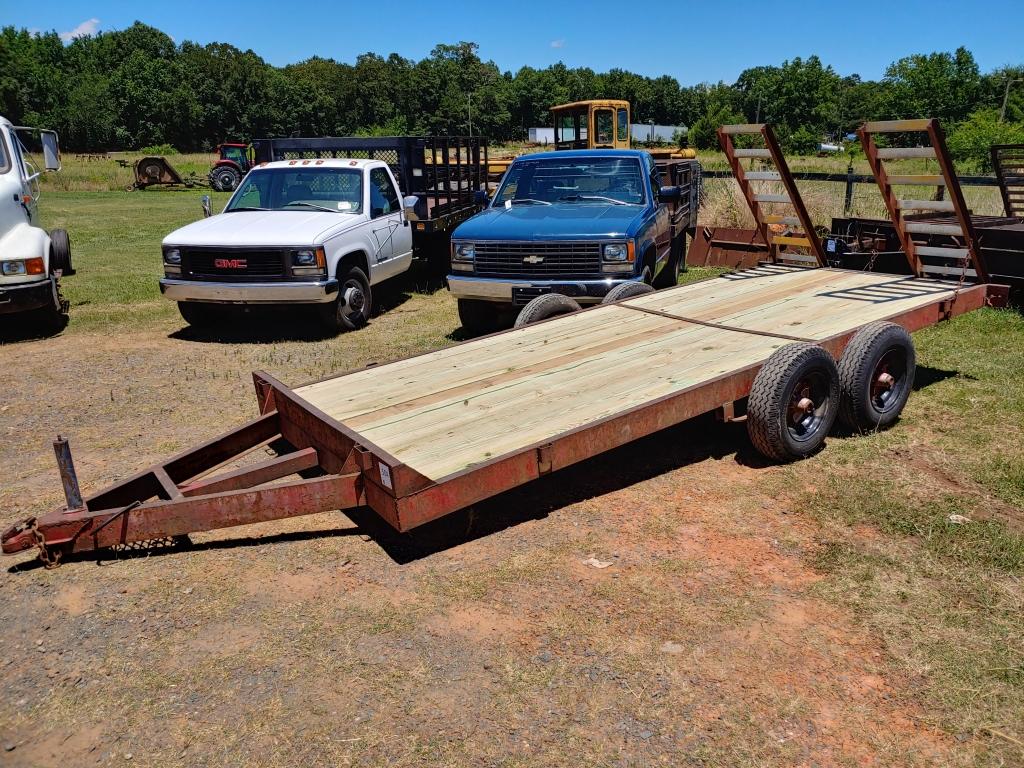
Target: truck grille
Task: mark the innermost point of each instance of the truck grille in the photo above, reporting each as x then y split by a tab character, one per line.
233	263
542	260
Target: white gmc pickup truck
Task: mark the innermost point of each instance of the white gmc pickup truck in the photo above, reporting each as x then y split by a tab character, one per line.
319	232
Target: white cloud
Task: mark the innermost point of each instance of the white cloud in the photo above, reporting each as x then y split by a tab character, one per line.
87	27
559	43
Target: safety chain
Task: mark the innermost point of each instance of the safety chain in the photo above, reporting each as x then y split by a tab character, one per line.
50	560
870	266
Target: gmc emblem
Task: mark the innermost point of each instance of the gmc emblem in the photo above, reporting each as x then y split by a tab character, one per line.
533	259
230	263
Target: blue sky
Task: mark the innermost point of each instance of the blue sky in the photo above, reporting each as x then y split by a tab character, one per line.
693	42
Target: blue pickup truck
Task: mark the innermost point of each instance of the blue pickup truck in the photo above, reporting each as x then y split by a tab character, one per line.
577	223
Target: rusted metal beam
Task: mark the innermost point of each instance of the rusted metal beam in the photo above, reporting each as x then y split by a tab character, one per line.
255	474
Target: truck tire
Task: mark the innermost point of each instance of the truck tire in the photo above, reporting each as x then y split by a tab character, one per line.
224	178
353	306
794	402
60	252
669	275
626	291
544	306
197	314
478	317
876	376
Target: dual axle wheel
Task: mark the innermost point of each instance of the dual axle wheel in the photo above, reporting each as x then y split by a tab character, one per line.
800	391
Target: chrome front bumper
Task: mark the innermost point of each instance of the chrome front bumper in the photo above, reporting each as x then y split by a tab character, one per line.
316	292
501	290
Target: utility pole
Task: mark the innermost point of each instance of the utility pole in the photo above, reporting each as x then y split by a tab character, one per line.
469	105
1006	96
757	115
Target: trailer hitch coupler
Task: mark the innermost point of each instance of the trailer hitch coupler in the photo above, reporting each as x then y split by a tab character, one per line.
68	478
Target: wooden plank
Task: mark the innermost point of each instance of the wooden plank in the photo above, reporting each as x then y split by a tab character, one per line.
921	180
752	153
945	253
792	221
926	205
926	228
897	126
771	198
897	153
802	242
742	128
763	176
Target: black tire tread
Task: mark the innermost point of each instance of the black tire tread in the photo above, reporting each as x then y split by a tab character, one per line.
626	291
544	306
765	409
60	250
477	316
853	373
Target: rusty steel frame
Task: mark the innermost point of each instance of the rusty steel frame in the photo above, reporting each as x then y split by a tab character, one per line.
771	144
1008	163
181	496
937	144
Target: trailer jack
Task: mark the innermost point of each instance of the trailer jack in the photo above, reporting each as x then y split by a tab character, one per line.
180	496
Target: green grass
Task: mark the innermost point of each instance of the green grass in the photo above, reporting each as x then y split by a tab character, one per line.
947	598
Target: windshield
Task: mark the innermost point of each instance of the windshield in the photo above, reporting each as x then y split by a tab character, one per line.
337	190
615	180
5	164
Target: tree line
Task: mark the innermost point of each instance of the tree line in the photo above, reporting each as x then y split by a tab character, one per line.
136	87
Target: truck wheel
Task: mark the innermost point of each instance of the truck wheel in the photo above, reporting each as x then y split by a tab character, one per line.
225	178
876	375
352	308
626	291
478	317
793	402
669	275
544	306
60	252
197	314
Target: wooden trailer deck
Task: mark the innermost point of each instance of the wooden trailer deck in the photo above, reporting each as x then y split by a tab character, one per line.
448	411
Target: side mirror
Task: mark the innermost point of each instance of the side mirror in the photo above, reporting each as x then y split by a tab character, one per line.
670	194
51	150
205	201
409	202
481	198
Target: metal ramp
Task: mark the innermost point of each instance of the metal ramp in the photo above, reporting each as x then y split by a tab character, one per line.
1008	162
791	238
949	247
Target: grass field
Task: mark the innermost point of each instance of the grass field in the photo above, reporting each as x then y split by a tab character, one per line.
829	612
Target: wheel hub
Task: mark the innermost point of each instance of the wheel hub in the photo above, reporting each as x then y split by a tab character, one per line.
354	299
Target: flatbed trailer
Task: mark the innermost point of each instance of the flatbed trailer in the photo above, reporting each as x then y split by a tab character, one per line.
422	437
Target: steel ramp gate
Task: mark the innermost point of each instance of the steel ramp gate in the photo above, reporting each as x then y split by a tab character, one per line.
910	216
1008	162
797	231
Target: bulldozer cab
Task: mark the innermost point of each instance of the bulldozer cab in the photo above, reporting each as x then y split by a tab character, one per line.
593	124
238	154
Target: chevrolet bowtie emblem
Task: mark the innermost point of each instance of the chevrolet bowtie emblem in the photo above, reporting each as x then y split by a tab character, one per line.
533	259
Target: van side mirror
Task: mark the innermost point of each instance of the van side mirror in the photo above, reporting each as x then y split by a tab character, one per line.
670	194
481	198
205	201
51	150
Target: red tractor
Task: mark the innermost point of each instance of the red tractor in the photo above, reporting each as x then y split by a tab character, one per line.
235	161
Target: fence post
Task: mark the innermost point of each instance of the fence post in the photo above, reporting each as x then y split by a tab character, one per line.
848	200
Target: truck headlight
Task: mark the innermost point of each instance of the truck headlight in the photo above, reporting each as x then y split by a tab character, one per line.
22	267
172	256
463	256
615	252
14	267
309	261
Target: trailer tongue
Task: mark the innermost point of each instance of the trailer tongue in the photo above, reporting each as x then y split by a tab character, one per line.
419	438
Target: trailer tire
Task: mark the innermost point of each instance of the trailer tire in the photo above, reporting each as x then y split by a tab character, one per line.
543	307
353	306
876	376
225	178
477	316
626	291
197	314
60	252
794	402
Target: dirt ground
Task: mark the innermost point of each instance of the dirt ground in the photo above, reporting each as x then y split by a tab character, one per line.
484	639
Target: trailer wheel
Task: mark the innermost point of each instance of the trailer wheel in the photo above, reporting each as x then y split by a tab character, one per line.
478	317
626	291
225	178
876	375
197	314
352	308
60	252
793	402
544	306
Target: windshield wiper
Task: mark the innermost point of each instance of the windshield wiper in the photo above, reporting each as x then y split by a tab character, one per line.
312	205
246	208
600	198
530	200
